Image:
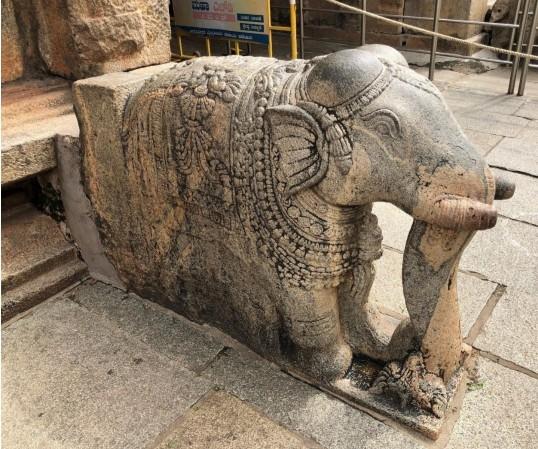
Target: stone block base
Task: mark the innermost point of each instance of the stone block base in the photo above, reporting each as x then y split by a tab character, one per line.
354	389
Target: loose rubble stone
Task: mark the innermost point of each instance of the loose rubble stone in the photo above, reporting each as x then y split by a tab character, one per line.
72	380
512	330
164	331
499	411
220	420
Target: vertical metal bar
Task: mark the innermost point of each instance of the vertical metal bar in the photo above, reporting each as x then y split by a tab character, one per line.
237	48
293	29
433	51
513	32
269	31
526	61
363	24
208	46
521	35
180	45
301	28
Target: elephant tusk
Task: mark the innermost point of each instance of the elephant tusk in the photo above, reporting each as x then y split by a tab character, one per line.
460	213
504	189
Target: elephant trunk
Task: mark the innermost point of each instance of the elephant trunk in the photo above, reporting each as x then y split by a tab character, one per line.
429	273
457	213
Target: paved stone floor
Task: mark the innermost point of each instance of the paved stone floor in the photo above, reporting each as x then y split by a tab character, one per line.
98	368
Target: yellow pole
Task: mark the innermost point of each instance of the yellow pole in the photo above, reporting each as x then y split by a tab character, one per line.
180	45
237	49
208	46
293	29
269	32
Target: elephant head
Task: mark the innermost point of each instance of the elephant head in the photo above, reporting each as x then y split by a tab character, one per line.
382	132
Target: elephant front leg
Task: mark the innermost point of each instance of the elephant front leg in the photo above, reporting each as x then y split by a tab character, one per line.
365	328
430	266
312	321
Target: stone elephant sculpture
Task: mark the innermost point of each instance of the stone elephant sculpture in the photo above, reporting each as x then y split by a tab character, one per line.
243	197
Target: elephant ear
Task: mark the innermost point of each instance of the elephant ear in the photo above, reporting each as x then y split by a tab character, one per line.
295	135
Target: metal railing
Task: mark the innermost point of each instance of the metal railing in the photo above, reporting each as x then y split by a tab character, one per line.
517	37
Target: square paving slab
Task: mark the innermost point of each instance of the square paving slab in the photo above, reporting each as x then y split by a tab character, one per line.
222	421
512	330
72	380
499	411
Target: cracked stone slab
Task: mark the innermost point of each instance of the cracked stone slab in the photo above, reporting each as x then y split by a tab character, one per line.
164	331
512	330
71	380
499	412
387	291
506	254
528	110
498	124
523	205
495	81
516	154
221	420
484	142
465	100
302	408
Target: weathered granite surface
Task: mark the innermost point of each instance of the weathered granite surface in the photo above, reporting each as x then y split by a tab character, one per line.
77	39
301	407
72	379
12	48
498	410
512	330
164	331
523	206
387	291
33	113
220	420
267	171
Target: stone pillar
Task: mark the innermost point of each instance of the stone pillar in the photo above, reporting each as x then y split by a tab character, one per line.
77	38
12	50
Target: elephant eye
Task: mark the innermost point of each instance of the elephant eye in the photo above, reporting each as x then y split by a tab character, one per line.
384	122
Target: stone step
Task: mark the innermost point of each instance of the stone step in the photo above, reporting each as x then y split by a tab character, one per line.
34	112
37	260
48	284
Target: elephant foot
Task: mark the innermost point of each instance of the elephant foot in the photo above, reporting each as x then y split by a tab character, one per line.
324	364
402	341
372	337
409	380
